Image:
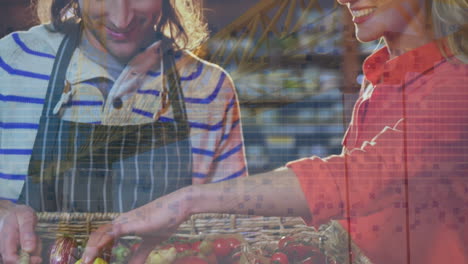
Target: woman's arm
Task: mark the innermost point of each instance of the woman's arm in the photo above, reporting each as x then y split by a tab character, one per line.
275	193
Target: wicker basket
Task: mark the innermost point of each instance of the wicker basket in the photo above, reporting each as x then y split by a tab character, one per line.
80	225
258	232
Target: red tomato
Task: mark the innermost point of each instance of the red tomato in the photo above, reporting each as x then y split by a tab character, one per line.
233	242
279	258
196	246
308	261
190	260
298	252
135	247
221	247
283	241
167	246
317	259
181	247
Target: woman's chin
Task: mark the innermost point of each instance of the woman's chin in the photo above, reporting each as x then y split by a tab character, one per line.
366	36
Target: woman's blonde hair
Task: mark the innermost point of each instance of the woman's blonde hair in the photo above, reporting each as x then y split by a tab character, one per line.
450	21
181	20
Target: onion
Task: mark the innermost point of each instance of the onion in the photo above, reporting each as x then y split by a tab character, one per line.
62	251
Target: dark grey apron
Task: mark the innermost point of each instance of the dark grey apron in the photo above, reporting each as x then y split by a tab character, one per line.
81	167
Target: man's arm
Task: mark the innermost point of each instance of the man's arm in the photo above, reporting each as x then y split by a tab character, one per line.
228	158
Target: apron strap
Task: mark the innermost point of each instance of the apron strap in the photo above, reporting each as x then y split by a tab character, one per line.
49	122
176	94
46	138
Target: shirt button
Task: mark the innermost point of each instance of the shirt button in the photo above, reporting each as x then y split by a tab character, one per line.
117	103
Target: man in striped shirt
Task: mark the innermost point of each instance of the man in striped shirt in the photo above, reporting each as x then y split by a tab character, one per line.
114	79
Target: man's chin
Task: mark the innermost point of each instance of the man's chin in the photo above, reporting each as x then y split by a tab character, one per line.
123	54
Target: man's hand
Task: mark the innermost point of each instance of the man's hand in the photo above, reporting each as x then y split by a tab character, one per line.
17	224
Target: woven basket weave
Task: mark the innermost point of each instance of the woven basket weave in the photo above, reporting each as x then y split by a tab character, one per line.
253	229
257	231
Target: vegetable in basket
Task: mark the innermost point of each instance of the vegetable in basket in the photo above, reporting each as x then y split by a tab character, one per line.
162	256
191	260
96	261
23	258
298	251
205	247
120	254
61	252
279	258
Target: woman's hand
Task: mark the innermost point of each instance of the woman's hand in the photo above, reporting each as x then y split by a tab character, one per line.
17	224
154	222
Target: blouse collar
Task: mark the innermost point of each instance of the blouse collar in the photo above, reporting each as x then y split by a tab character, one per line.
378	68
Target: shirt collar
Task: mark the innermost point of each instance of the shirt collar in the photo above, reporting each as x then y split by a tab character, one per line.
81	69
379	69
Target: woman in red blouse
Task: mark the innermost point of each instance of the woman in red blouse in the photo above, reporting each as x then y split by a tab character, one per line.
400	186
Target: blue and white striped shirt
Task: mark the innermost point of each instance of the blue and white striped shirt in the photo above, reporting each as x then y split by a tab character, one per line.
26	60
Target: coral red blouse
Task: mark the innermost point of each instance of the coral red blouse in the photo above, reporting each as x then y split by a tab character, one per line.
401	184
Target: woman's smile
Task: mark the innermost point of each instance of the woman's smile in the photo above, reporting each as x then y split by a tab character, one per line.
360	15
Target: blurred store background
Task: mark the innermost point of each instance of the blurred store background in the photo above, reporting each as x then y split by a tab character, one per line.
295	63
296	66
